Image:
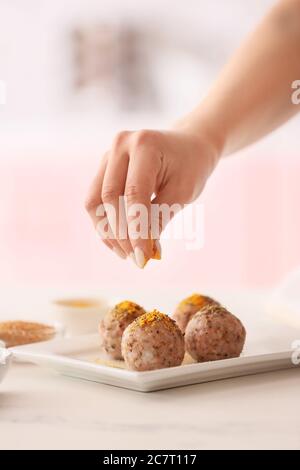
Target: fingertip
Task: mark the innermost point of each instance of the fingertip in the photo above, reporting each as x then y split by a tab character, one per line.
119	252
140	257
156	251
132	257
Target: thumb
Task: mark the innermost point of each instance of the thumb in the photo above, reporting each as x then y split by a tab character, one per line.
163	210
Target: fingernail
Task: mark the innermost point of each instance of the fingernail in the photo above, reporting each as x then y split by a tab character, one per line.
119	252
133	258
139	257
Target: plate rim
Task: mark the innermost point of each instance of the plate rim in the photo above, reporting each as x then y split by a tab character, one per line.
45	351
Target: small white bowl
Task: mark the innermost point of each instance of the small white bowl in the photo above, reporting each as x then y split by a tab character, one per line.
5	360
79	316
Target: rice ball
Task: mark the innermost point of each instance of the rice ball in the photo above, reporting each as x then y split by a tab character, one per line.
213	334
112	327
189	306
152	341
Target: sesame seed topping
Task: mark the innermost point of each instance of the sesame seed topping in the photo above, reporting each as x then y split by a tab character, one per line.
127	307
152	318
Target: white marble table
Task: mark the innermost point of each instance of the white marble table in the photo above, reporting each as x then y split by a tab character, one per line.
41	410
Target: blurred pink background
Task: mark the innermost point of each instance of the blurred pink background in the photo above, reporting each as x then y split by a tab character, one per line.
52	136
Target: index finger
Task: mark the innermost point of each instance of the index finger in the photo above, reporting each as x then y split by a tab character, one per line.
144	166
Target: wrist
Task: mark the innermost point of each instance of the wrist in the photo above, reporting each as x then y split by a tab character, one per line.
205	132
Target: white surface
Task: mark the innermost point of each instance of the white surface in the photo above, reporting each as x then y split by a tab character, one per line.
39	410
42	411
75	357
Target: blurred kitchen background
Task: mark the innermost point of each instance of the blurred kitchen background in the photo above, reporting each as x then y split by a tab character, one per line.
78	71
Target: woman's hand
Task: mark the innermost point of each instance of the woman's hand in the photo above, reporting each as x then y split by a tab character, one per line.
147	167
251	97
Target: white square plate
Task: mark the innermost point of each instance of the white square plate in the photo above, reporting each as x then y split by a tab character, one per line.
77	357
